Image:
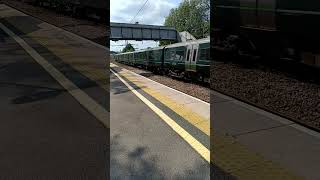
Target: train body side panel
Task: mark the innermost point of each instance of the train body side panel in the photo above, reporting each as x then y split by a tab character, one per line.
155	59
203	59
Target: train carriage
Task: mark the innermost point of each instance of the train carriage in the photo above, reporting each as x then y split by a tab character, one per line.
155	56
140	58
189	59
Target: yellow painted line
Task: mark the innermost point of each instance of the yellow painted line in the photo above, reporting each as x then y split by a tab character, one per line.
195	144
193	118
86	101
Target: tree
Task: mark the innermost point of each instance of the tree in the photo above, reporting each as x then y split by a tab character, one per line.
192	16
128	48
166	42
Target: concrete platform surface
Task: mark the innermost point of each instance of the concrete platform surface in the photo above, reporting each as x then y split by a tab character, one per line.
137	125
47	131
292	150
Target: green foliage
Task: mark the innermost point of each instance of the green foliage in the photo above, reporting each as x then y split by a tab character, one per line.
192	16
128	48
166	42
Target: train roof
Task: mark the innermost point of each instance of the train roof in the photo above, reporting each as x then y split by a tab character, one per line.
150	49
198	41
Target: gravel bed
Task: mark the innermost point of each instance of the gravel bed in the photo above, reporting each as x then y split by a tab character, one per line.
271	90
191	89
96	32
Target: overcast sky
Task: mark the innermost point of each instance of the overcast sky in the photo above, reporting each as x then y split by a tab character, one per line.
153	13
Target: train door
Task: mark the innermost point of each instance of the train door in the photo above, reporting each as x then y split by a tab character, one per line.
187	59
194	57
191	57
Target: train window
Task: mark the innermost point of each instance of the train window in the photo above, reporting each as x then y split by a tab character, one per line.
173	55
150	55
167	54
156	54
205	54
194	55
188	55
179	55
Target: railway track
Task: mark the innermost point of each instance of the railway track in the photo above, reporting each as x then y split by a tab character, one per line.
289	67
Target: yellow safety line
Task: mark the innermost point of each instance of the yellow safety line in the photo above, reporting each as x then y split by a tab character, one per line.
86	101
195	144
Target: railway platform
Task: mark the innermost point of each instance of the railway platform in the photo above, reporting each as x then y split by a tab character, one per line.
53	99
156	132
250	143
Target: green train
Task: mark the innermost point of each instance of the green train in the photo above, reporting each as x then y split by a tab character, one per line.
187	59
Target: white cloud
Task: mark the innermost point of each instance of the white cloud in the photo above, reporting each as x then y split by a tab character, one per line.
153	13
119	45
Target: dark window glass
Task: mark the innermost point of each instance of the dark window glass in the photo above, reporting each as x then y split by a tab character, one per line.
172	55
205	54
179	55
151	55
155	55
194	55
188	55
167	55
